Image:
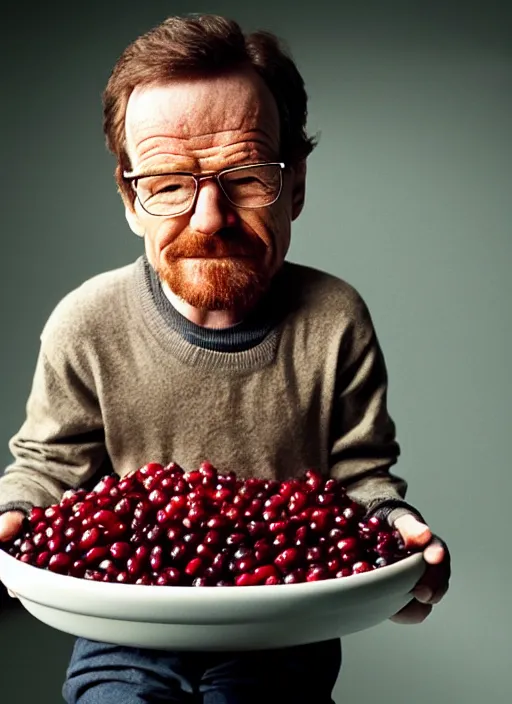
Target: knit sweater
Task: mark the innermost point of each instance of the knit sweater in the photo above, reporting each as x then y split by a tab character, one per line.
122	379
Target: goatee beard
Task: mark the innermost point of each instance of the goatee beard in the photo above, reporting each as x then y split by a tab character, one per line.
216	284
224	272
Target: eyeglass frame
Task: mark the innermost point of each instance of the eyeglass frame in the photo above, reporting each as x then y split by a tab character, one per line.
131	177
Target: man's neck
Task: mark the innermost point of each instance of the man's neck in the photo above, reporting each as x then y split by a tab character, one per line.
200	316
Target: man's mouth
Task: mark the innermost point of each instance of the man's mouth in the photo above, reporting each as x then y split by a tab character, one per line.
227	244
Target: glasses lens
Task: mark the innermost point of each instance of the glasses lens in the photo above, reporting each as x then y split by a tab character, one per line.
252	186
166	195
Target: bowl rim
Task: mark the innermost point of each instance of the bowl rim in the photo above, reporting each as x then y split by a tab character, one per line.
90	589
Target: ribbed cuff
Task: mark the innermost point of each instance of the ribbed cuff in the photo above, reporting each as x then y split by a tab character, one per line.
24	506
391	509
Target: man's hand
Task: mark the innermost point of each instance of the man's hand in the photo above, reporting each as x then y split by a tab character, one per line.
11	523
434	583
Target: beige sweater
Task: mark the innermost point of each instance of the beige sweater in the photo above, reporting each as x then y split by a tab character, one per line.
116	386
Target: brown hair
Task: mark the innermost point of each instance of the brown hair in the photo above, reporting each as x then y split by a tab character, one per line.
203	45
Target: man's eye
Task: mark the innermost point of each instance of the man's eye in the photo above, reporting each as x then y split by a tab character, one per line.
169	188
244	181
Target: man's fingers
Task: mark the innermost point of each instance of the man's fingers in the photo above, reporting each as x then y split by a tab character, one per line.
10	524
414	533
438	595
412	613
434	553
423	593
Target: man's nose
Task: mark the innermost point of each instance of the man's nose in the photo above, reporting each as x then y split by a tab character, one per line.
212	210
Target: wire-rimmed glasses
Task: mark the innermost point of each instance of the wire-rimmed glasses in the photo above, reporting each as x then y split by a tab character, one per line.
174	193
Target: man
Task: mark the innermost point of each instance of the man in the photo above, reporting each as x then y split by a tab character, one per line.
211	345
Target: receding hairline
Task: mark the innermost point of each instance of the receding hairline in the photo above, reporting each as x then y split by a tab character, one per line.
266	101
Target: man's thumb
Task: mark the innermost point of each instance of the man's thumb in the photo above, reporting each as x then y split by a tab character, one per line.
10	524
413	532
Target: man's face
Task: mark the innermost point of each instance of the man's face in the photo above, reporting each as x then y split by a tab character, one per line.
215	256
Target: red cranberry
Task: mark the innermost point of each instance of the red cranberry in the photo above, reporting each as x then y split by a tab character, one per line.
54	544
213	538
94	575
236	539
321	519
36	515
149	469
123	507
361	566
95	555
169	576
154	533
297	502
194	566
43	558
125	484
348	544
245	580
205	552
120	550
52	512
162	517
280	540
333	565
289	487
78	568
39	540
115	531
156	558
174	532
295	576
275	502
178	551
71	532
104	518
89	538
134	566
317	572
314	480
287	559
40	527
218	522
105	484
265	572
314	554
256	529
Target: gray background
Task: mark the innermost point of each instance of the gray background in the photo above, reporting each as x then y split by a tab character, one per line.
408	199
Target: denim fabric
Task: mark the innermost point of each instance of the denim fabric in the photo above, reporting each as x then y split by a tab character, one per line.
100	673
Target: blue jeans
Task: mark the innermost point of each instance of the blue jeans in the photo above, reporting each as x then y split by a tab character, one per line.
100	673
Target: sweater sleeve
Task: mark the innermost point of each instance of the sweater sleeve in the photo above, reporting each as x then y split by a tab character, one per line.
363	435
61	442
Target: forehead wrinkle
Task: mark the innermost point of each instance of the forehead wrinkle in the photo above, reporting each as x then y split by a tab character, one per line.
155	145
167	118
216	136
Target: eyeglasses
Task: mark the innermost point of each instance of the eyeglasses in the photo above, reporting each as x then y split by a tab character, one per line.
171	194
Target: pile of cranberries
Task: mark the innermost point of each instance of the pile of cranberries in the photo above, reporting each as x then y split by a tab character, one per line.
163	526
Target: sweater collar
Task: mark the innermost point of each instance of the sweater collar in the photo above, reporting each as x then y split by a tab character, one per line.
243	336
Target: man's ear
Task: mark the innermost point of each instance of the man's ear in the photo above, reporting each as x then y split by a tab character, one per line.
298	188
133	221
129	204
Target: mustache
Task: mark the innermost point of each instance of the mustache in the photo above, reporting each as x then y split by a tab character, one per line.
227	242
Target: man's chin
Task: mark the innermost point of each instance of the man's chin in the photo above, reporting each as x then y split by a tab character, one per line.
216	284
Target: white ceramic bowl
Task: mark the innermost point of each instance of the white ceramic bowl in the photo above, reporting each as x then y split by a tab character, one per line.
212	618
